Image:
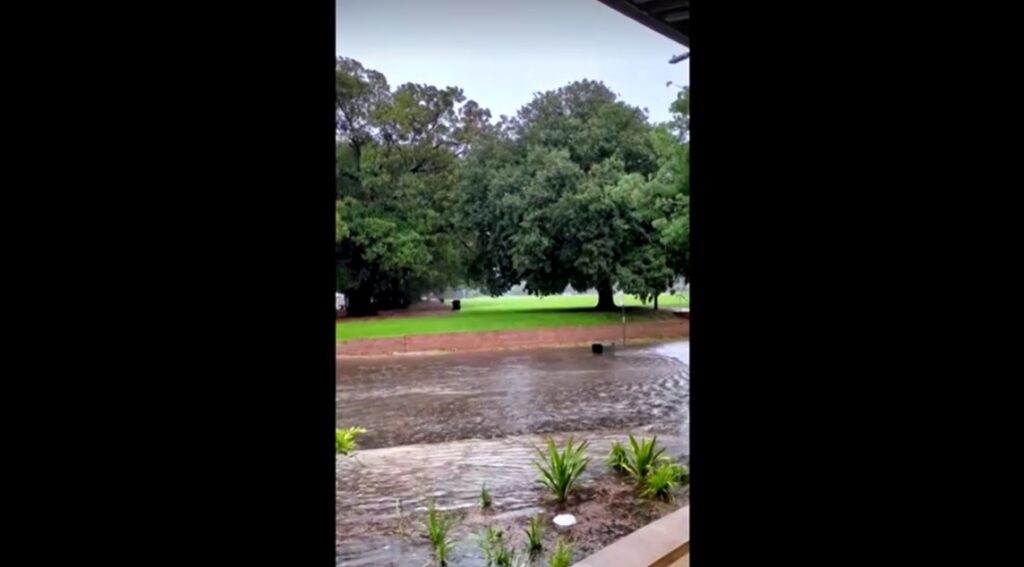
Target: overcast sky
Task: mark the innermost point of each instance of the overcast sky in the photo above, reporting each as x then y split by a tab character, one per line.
500	52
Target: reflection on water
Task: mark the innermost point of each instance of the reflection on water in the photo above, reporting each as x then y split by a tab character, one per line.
438	427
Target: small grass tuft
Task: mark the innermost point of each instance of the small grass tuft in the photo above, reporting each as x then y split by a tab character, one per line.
562	556
496	549
439	526
485	497
534	545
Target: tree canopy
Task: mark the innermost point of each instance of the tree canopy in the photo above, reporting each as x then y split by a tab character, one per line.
397	174
577	189
569	193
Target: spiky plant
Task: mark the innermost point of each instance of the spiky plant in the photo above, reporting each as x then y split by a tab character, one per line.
345	440
562	556
682	474
660	482
642	457
559	470
616	459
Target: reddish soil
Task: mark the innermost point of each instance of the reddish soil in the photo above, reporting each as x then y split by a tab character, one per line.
606	509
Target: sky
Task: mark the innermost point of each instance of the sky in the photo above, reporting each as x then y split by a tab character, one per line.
501	52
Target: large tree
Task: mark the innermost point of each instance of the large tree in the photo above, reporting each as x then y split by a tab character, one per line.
552	197
398	157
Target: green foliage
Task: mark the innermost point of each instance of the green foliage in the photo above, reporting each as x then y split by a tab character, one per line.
485	497
559	470
439	526
504	556
397	160
489	542
680	109
562	555
665	200
534	544
550	199
577	189
681	473
660	482
345	440
617	458
642	457
496	549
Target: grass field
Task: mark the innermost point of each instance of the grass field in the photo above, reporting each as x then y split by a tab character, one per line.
504	313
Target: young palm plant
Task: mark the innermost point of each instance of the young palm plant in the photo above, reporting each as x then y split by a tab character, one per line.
616	459
643	457
660	482
439	526
559	470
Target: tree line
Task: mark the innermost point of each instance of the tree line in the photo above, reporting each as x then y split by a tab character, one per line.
578	188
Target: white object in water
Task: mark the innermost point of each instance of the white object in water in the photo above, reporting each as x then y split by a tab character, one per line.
565	520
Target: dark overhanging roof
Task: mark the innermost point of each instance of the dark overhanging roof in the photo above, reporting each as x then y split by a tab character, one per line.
670	18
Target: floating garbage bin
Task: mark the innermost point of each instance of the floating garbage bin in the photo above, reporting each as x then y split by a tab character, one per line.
456	305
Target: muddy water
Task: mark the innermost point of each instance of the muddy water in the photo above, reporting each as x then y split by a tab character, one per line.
439	427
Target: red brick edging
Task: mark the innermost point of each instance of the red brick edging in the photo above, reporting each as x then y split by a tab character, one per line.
498	340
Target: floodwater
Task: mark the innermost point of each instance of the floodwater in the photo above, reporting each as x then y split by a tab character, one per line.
438	427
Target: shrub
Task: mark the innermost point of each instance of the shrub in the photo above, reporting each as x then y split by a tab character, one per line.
559	471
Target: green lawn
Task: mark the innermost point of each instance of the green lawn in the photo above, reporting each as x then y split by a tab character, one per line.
498	314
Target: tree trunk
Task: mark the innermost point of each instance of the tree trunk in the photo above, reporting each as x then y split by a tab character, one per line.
655	302
605	298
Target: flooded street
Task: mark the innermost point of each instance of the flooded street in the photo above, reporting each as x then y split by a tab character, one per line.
438	427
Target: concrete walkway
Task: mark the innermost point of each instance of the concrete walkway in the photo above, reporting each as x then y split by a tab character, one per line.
662	543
